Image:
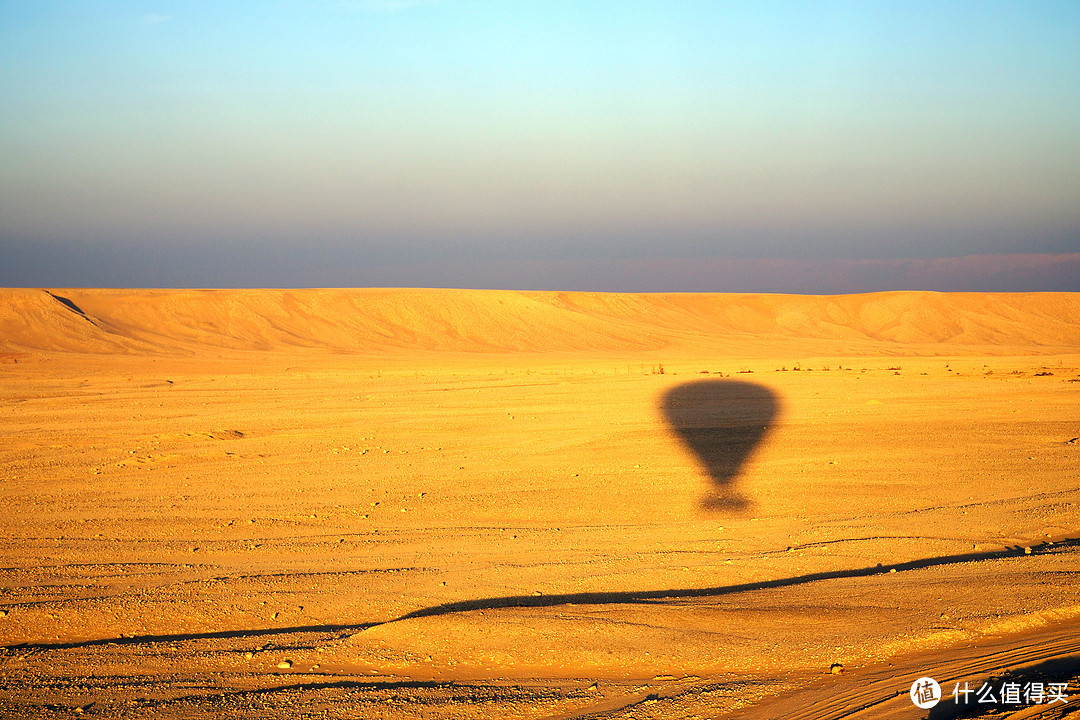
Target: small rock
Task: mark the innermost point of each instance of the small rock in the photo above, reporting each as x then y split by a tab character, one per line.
1027	551
3	613
836	669
248	655
285	664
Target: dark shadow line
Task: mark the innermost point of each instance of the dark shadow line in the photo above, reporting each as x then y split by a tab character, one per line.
648	596
71	306
584	598
182	637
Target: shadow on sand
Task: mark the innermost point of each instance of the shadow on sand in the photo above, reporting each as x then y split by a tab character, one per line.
721	421
639	597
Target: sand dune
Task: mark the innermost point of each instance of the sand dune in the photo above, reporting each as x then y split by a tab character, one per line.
477	321
467	504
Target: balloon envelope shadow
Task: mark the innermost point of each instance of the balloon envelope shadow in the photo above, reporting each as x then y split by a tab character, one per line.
721	421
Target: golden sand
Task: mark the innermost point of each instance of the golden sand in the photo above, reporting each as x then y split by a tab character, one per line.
445	504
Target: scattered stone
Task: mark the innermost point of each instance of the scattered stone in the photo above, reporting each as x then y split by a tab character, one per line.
3	613
836	669
1027	551
248	655
285	664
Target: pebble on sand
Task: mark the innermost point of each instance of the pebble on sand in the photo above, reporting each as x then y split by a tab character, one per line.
285	664
836	669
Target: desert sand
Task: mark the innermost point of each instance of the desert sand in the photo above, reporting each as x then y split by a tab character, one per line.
473	504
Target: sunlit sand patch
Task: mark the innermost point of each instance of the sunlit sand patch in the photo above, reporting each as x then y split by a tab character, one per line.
458	503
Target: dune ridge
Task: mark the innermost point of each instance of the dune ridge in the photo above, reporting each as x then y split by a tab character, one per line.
471	321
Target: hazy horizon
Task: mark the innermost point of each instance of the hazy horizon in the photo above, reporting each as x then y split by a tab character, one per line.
634	146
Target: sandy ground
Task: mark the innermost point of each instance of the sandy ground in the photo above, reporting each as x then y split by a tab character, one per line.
445	504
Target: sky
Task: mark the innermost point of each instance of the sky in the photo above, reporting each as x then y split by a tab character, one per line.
621	146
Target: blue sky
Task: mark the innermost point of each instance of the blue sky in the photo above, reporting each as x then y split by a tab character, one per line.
486	143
